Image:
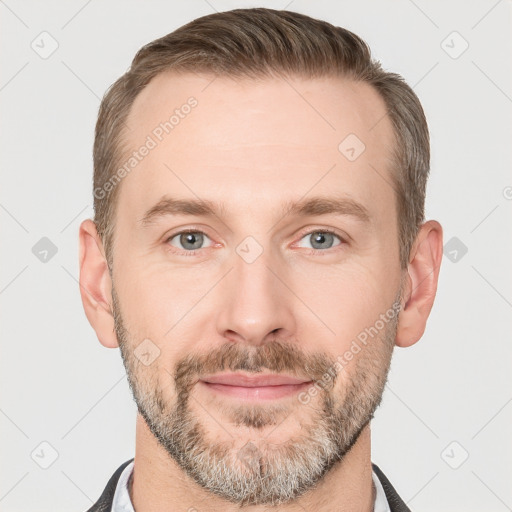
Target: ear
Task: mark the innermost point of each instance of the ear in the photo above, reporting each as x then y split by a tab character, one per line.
420	283
96	284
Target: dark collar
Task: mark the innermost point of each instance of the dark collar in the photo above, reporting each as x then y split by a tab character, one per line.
104	503
396	503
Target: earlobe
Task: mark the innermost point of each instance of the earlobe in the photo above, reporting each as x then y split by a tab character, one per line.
96	284
420	286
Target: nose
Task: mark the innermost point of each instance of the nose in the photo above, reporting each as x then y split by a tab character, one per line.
255	302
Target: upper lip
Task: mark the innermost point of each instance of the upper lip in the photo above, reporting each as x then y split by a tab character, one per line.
252	381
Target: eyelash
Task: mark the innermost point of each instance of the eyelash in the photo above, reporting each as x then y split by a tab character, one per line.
310	251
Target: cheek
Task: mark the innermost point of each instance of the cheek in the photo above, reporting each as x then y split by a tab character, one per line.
161	304
346	298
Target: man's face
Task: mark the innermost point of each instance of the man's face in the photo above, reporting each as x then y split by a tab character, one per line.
257	288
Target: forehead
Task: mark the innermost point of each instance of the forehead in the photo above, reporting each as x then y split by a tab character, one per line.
253	143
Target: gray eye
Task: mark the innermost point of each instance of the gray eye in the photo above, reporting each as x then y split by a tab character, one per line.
189	241
321	240
194	239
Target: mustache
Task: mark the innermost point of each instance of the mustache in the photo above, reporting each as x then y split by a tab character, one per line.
276	357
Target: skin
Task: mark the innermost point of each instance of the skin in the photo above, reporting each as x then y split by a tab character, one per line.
254	145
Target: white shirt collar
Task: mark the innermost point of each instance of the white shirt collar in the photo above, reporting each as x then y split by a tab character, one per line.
123	503
381	502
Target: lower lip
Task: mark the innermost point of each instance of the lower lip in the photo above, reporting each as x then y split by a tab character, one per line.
257	393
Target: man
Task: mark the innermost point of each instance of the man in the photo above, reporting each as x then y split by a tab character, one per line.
256	356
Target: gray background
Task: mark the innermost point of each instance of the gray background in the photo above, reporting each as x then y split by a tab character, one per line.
449	396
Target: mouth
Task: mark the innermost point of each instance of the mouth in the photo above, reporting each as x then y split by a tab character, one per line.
254	387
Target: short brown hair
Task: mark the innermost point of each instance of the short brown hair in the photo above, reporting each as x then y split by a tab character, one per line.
259	42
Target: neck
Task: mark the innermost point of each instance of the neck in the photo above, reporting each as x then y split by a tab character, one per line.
158	483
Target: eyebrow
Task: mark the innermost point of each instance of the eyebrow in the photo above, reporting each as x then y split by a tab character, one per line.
320	205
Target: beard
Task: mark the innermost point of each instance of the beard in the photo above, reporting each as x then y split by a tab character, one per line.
260	472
